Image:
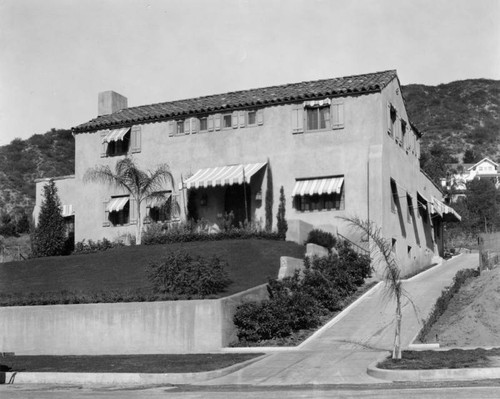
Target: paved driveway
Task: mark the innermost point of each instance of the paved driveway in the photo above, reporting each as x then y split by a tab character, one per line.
342	352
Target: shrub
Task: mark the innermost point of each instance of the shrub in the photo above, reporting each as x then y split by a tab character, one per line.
180	274
82	247
323	238
282	224
356	264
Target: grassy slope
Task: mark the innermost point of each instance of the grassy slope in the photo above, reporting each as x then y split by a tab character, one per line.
250	263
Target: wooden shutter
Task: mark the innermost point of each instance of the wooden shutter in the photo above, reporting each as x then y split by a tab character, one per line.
172	128
297	118
195	125
135	138
132	206
260	117
234	119
187	126
241	118
210	123
104	144
105	213
337	115
217	121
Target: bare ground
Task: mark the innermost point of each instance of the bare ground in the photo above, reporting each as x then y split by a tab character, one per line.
473	315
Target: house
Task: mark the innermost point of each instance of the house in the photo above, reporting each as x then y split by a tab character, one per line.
461	174
338	147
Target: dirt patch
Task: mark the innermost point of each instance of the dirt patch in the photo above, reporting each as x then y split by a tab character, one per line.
472	317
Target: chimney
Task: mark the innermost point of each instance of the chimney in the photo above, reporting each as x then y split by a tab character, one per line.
109	102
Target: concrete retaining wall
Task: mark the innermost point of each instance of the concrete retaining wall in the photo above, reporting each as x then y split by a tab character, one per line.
196	326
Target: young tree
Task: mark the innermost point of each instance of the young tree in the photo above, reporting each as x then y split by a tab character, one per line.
49	237
269	199
282	224
381	253
140	184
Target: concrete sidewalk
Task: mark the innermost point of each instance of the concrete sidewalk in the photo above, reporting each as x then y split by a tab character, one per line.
342	353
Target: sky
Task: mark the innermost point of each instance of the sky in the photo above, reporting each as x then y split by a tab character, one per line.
57	55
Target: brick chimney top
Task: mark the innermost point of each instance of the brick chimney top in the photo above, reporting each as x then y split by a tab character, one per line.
110	102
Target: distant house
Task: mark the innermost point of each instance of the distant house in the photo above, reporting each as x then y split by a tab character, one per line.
339	147
461	174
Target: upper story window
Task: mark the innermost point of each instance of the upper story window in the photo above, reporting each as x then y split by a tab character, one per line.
203	124
180	127
252	117
227	121
120	141
394	197
391	120
317	115
404	137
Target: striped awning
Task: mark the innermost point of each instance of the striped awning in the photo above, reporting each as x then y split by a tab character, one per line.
117	204
447	213
422	201
317	103
67	210
223	175
157	202
115	135
326	185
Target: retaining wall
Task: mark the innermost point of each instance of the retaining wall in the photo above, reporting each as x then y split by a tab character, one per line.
196	326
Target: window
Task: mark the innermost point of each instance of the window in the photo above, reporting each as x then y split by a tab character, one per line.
322	194
403	142
408	250
317	118
252	118
227	121
394	196
409	202
180	127
161	210
392	116
119	147
117	211
203	124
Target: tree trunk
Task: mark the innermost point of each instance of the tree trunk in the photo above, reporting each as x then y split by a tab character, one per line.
138	238
396	353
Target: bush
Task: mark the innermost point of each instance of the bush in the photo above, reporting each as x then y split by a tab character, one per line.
323	238
82	247
179	273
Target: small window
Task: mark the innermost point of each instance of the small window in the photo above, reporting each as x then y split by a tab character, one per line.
180	127
403	135
119	147
318	118
408	250
392	120
203	124
161	211
393	245
227	121
409	202
394	197
119	214
252	117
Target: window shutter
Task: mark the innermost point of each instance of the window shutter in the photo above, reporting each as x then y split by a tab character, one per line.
172	128
217	121
195	125
337	116
389	120
104	145
297	118
241	117
105	213
260	117
132	206
234	119
135	137
187	126
210	123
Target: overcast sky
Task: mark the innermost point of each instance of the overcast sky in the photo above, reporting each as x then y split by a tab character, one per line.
56	55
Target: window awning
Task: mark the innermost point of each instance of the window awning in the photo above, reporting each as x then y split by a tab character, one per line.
317	103
157	202
67	210
447	213
327	185
115	135
422	201
117	204
223	175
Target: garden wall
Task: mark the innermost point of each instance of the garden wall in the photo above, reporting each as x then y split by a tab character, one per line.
195	326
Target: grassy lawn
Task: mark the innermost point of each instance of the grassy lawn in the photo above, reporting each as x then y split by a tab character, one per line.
450	359
250	263
193	363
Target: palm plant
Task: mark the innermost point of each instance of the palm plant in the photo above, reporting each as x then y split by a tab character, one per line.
140	184
381	252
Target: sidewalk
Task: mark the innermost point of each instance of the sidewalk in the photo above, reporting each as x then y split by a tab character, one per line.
342	353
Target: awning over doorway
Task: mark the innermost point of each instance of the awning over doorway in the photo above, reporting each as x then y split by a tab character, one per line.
223	175
447	213
115	135
67	210
327	185
117	204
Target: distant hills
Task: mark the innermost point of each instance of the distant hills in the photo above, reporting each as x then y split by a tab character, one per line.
457	116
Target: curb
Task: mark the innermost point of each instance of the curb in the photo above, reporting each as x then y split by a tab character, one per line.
433	375
120	378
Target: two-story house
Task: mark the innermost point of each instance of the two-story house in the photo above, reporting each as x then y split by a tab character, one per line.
338	147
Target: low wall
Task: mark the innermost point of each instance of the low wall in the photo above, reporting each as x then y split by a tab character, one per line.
197	326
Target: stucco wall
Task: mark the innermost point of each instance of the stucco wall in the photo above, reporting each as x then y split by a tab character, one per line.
198	326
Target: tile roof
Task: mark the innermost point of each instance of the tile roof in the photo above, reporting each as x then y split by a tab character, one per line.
288	93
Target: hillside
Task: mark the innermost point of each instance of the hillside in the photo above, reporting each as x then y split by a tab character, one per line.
458	115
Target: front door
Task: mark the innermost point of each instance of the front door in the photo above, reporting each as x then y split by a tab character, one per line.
234	201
